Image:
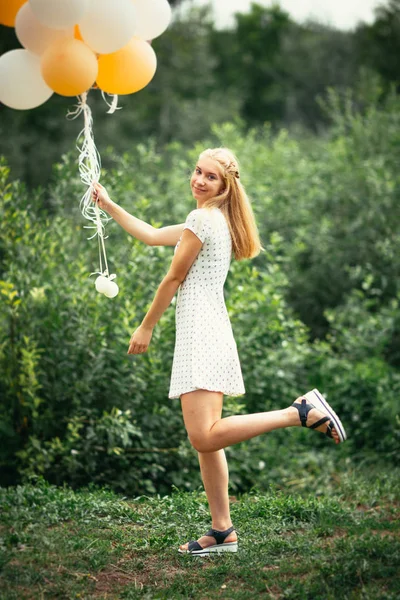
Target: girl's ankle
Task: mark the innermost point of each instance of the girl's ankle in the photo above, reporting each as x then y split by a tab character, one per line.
221	526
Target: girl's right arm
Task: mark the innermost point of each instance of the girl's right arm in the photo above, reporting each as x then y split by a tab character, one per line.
165	236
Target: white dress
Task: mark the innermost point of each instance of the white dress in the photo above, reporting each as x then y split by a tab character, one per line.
206	355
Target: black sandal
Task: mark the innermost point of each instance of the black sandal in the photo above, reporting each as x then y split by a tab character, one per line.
195	548
319	402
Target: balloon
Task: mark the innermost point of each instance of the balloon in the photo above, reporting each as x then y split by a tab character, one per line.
105	286
111	290
9	10
108	25
101	284
34	36
69	67
128	70
59	14
153	18
21	84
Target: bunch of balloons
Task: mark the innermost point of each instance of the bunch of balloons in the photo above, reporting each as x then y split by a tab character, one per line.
70	46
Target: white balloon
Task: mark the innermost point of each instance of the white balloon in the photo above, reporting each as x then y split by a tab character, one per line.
112	289
101	284
59	14
33	35
108	25
153	18
21	83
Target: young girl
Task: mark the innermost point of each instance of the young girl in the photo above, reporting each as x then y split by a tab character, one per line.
206	364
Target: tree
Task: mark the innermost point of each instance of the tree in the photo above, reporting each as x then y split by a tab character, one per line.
379	43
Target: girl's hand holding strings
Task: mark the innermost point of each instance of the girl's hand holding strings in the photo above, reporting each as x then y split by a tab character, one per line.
140	340
100	195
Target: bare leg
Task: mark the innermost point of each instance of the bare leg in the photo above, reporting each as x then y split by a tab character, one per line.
215	475
209	434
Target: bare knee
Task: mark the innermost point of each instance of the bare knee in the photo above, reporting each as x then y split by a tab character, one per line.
200	442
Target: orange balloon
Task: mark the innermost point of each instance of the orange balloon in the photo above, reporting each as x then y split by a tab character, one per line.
77	33
128	70
8	11
69	67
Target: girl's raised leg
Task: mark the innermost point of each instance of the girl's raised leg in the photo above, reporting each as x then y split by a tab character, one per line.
208	432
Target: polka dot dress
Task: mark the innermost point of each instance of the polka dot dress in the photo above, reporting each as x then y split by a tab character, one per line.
206	355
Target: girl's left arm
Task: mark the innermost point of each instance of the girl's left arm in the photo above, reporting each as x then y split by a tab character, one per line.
185	256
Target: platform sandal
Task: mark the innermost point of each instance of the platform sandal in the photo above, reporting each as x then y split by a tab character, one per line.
195	549
317	400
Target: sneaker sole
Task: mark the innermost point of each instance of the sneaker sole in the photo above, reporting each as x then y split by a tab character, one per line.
317	399
216	549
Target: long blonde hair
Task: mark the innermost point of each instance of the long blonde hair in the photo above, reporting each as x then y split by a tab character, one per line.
235	205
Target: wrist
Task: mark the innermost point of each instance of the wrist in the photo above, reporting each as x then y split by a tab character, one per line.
111	206
146	326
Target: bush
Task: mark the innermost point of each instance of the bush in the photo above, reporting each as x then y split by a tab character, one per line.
76	408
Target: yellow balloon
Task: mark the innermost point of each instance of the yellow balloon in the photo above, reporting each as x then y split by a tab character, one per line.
128	70
69	67
8	11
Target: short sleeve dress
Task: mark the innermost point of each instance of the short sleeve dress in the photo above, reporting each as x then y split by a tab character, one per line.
205	355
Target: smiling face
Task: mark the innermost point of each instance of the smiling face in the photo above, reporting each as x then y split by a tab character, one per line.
206	181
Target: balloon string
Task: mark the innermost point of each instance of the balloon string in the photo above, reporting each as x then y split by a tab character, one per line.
101	242
113	105
100	261
89	171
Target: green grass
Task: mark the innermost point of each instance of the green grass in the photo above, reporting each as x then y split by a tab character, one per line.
91	543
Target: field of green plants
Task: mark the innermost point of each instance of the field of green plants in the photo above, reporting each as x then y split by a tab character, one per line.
341	543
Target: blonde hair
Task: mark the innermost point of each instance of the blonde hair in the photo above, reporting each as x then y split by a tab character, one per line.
235	205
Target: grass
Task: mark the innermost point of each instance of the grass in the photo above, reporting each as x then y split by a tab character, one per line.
92	543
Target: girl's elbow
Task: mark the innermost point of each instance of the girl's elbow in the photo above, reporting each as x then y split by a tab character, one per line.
175	277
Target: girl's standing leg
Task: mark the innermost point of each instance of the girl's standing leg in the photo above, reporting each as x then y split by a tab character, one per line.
215	476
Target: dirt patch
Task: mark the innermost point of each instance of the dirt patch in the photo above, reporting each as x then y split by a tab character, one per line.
112	579
289	533
365	508
25	593
338	533
14	562
116	576
385	533
273	592
384	507
390	518
331	538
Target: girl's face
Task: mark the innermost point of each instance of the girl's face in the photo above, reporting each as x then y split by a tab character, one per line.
206	181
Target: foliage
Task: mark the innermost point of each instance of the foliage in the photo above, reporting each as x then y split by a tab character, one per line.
378	43
349	233
341	542
76	408
69	385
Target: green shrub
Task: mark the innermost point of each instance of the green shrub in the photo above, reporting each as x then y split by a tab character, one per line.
75	407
